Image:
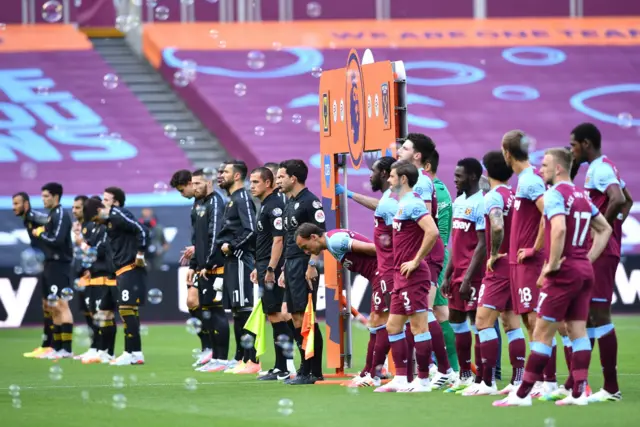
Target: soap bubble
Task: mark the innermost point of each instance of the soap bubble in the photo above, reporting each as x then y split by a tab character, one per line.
170	130
110	81
255	60
154	296
240	89
625	120
285	406
119	401
66	294
296	118
191	384
258	130
52	11
160	188
55	373
314	9
194	326
180	79
247	341
162	13
316	72
274	114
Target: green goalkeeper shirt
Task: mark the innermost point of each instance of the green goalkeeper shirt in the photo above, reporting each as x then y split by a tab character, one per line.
445	210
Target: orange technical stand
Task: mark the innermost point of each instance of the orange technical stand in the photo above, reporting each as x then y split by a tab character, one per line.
362	109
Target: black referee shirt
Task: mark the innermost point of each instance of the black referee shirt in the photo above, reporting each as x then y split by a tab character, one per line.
304	207
269	224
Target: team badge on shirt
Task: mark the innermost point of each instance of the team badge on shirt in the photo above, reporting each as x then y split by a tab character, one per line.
277	212
277	223
319	216
316	204
468	211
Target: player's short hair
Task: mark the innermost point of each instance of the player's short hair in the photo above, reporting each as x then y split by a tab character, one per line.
91	207
384	163
404	168
180	178
118	195
423	145
297	168
271	165
434	161
54	188
197	172
81	197
98	198
513	143
497	167
471	166
562	156
306	229
25	196
240	167
265	174
589	131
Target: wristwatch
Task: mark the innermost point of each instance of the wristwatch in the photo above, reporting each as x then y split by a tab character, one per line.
312	263
270	269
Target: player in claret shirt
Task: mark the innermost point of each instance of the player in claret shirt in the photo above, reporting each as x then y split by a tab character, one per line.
608	192
566	280
464	272
358	254
412	280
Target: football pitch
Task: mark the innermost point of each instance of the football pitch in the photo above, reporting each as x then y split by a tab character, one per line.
156	394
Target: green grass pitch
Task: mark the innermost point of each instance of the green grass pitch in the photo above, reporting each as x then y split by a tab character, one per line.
157	397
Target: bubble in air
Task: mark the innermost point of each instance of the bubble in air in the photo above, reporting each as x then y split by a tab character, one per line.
16	403
194	326
52	11
285	406
191	384
133	378
246	341
214	34
625	120
77	286
154	296
190	68
144	330
274	114
152	3
180	78
385	240
196	353
170	131
84	395
110	81
160	188
17	270
66	294
187	140
316	72
28	170
119	401
206	314
52	300
296	118
42	91
162	13
314	9
276	46
529	143
3	26
212	1
287	350
118	381
55	373
549	422
114	138
14	390
240	89
312	125
187	2
222	44
258	131
255	60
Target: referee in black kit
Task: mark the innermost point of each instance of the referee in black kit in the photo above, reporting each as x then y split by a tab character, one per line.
237	240
300	270
269	262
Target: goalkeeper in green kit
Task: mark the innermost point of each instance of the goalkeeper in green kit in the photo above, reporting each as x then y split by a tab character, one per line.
444	215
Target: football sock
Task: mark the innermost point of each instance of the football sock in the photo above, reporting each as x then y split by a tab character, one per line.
550	370
221	332
568	355
411	361
424	347
517	354
282	337
239	321
108	336
538	359
66	336
463	347
399	352
438	344
131	330
477	355
318	345
489	351
608	344
498	370
197	313
206	340
370	349
297	334
450	343
47	330
380	351
57	338
580	365
95	330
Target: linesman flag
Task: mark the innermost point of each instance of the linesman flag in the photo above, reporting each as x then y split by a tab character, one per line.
308	329
255	325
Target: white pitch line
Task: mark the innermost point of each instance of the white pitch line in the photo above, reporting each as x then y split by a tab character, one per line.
53	387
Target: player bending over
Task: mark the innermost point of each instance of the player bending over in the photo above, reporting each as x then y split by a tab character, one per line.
566	279
464	272
357	254
410	296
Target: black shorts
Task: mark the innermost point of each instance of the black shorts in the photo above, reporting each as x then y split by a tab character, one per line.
55	277
84	299
207	295
105	297
296	286
272	296
238	289
132	287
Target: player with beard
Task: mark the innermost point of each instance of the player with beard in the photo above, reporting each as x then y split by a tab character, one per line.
494	297
609	194
128	240
55	237
103	298
300	276
33	219
566	280
384	210
357	254
269	263
464	272
237	241
525	256
80	270
412	280
205	274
